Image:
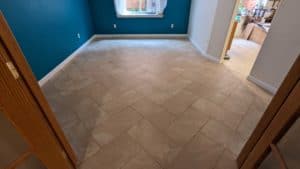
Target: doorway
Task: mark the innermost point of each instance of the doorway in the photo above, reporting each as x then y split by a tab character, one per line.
251	23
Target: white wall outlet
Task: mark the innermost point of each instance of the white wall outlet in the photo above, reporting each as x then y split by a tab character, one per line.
115	26
78	35
172	26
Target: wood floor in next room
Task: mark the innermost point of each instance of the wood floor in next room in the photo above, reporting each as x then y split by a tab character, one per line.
153	104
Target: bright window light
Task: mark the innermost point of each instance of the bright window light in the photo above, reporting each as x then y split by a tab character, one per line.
140	8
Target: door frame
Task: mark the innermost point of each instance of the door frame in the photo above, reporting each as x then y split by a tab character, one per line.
20	63
253	152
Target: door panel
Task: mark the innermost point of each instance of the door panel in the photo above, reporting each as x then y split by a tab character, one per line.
12	145
17	58
19	105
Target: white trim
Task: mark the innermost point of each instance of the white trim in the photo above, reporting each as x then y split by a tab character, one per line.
59	67
206	55
263	85
141	36
126	16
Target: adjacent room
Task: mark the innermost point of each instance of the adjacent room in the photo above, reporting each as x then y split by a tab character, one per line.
149	84
251	26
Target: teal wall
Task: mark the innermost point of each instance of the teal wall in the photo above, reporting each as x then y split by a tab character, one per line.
47	29
104	16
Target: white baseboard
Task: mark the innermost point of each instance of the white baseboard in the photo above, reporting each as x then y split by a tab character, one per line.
264	85
206	55
141	36
59	67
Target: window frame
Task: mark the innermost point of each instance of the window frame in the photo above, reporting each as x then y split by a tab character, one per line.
137	15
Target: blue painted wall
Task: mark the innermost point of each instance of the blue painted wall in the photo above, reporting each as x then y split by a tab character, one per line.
104	16
47	29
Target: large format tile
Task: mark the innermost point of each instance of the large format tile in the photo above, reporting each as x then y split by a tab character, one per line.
78	136
227	161
180	102
122	102
142	161
154	113
155	94
218	112
113	156
224	135
92	149
114	126
186	126
161	93
200	153
207	93
157	144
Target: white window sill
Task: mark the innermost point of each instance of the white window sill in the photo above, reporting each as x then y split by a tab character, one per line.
140	15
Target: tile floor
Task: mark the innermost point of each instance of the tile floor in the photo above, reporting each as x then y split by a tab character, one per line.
153	104
243	54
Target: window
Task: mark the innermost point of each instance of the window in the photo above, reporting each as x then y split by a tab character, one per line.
140	8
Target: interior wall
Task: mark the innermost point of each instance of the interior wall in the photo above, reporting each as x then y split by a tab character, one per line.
47	29
201	22
104	16
210	24
221	27
280	48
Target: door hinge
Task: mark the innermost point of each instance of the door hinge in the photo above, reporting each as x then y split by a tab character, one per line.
13	69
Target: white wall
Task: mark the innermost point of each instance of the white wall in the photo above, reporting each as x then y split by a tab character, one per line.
209	25
281	47
220	30
201	23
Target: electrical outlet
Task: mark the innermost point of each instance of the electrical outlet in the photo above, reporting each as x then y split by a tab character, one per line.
78	35
172	26
115	26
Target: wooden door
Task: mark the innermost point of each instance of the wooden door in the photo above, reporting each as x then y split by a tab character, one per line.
23	104
277	119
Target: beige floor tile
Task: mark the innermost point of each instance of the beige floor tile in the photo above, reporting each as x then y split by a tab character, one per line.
180	102
97	92
155	94
229	118
207	93
87	111
172	86
224	135
201	153
157	144
92	149
227	161
236	144
142	161
122	102
240	100
78	136
186	126
161	80
115	126
249	122
154	113
218	131
113	156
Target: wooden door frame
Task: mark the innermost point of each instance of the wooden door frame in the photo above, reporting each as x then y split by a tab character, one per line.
272	111
18	59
